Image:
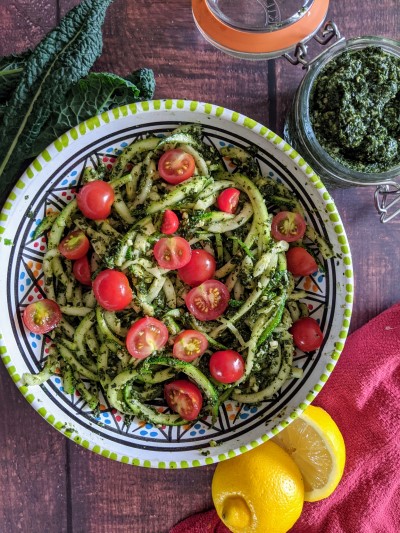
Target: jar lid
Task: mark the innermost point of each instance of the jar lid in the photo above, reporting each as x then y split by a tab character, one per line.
258	28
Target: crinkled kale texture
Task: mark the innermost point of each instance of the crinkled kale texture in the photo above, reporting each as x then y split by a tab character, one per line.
47	91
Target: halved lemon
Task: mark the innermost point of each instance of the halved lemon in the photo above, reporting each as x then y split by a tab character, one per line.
316	445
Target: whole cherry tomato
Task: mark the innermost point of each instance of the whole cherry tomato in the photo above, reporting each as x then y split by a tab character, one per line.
95	199
228	200
226	366
112	290
170	222
300	262
81	270
307	334
200	268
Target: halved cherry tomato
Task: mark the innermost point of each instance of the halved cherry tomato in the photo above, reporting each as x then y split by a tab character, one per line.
208	301
189	345
200	268
288	226
172	252
75	245
226	366
228	200
184	398
42	316
170	222
95	199
112	290
300	262
145	336
176	166
81	270
307	334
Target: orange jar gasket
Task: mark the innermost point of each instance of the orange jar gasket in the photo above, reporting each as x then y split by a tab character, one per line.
273	42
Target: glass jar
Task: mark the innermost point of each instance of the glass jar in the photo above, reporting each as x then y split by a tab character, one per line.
258	29
265	29
300	134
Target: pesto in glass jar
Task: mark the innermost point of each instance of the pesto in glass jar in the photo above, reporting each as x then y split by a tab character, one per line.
355	109
345	116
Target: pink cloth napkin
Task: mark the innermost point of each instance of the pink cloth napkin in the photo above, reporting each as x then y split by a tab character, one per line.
363	397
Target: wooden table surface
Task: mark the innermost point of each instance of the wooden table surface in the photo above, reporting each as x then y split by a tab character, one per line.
48	483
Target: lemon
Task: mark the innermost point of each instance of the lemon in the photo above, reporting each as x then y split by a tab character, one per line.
316	445
260	491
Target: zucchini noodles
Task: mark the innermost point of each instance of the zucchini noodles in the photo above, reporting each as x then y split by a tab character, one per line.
88	346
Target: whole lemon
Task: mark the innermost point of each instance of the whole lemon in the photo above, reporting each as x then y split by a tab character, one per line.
260	491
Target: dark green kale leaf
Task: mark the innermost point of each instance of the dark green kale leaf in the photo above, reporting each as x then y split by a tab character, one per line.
3	108
144	80
90	96
63	57
11	69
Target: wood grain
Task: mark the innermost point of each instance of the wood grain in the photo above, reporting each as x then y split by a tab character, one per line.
48	483
23	23
118	497
33	480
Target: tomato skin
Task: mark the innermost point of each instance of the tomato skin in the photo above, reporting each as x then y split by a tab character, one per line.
75	245
189	345
228	200
81	271
145	336
172	252
42	316
300	262
208	301
112	290
307	334
95	199
288	226
200	268
226	366
184	397
175	166
170	222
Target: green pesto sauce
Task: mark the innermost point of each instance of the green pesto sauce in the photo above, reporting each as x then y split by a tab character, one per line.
355	109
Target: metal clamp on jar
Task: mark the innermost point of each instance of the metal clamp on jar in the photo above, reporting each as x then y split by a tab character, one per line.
266	29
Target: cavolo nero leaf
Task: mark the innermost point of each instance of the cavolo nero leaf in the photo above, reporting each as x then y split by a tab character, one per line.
144	80
3	108
96	93
64	56
11	69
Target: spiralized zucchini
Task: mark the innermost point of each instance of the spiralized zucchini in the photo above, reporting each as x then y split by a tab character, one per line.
89	345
